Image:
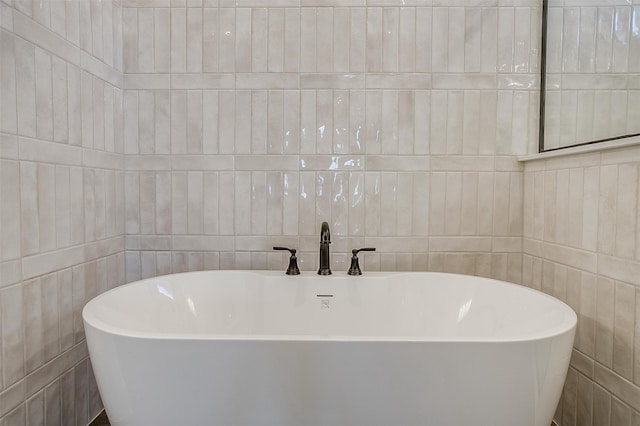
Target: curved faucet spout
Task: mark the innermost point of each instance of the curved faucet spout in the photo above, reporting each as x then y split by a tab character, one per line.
325	240
325	234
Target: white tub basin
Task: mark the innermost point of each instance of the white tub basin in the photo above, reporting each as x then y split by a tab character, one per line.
240	348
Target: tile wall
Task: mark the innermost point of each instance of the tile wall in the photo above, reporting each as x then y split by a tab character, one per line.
593	65
61	200
248	123
156	136
582	245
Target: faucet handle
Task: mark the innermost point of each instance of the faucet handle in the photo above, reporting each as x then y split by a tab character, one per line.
293	261
354	269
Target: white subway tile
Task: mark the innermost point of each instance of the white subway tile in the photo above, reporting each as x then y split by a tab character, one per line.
62	207
87	104
604	40
292	40
131	124
195	203
358	39
74	106
276	35
29	208
162	206
374	43
8	120
179	203
210	42
243	40
179	120
605	321
324	122
607	211
34	325
440	40
373	121
109	119
194	40
25	87
275	135
145	40
473	40
562	206
624	320
308	41
13	337
390	39
178	40
209	124
226	129
258	202
341	122
161	40
72	21
96	29
132	204
275	219
455	114
307	122
129	38
98	114
622	33
625	222
147	202
243	122
307	202
291	122
437	203
227	32
456	40
194	121
226	213
107	33
575	202
76	204
324	39
10	211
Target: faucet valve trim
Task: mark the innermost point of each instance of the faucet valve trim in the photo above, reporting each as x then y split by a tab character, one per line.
354	269
293	261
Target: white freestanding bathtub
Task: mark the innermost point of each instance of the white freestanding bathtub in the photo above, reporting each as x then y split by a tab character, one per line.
239	348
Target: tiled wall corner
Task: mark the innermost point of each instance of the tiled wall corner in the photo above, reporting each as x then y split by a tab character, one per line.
582	245
62	200
140	138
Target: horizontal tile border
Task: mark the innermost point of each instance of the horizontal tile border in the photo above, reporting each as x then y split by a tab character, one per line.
569	256
52	261
315	162
327	80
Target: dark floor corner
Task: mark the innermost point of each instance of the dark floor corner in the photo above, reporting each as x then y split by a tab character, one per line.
101	420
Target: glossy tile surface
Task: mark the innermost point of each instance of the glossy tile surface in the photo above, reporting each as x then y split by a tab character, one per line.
61	200
581	245
144	137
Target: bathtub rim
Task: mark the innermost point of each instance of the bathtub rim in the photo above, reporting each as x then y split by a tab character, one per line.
568	325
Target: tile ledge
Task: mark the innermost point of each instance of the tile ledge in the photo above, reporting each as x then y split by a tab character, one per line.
595	147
